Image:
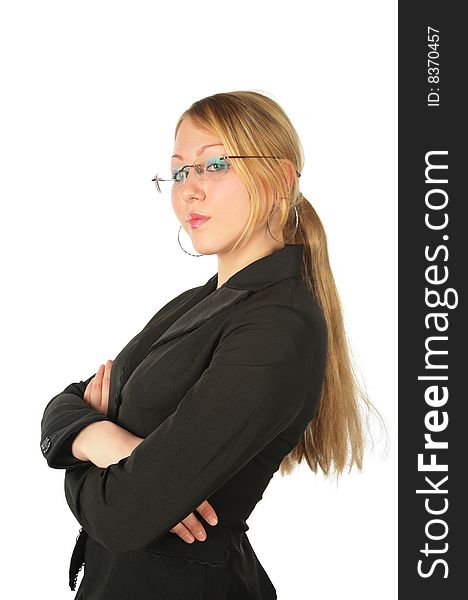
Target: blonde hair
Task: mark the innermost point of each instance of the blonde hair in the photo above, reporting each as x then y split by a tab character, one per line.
250	123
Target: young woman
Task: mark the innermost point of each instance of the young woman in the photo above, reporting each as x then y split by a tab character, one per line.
227	383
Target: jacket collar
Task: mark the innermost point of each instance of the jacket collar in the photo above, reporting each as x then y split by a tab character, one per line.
208	300
285	263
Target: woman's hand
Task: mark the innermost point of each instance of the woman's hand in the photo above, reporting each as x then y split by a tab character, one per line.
97	391
103	443
191	524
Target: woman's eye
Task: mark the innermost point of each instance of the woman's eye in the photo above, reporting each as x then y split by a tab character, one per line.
217	164
177	174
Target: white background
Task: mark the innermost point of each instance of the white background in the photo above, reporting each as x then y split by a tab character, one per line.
91	94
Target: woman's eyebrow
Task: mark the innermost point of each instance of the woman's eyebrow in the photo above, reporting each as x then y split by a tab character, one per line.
200	150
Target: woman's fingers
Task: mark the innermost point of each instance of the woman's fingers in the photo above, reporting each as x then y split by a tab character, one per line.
195	527
96	389
87	392
207	512
96	393
183	533
90	392
105	387
190	527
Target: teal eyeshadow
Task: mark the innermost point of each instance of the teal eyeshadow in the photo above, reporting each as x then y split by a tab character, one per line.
214	159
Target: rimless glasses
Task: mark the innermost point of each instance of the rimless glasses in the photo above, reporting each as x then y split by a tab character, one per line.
212	169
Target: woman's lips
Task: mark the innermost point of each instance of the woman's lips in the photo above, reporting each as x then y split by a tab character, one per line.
196	223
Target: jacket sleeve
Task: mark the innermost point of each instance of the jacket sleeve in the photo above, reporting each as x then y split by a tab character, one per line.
254	387
64	416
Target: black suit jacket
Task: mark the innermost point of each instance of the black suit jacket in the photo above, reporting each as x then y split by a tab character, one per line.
221	383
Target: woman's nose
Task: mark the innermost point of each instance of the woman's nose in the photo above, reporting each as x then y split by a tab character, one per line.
191	188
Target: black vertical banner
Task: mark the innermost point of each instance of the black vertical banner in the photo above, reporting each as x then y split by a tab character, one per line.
432	263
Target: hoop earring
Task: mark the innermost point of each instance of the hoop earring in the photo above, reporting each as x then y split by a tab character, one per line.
295	230
178	239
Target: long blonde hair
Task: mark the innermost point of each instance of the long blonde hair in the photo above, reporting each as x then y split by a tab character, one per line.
250	123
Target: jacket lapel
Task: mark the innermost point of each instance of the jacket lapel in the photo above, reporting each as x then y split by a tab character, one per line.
199	307
136	350
208	301
216	302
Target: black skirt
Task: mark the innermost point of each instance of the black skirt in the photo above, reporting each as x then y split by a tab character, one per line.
223	567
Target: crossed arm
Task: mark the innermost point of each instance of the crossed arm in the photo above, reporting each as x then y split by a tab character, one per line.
102	442
256	385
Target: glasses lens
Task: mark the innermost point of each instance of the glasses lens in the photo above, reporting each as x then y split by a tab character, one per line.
164	181
211	169
216	166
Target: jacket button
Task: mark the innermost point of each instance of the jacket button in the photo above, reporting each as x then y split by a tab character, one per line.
45	445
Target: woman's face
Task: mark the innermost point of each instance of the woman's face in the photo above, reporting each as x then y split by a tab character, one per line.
225	200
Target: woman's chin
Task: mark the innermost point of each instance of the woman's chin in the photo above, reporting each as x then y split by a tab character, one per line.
204	243
203	246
